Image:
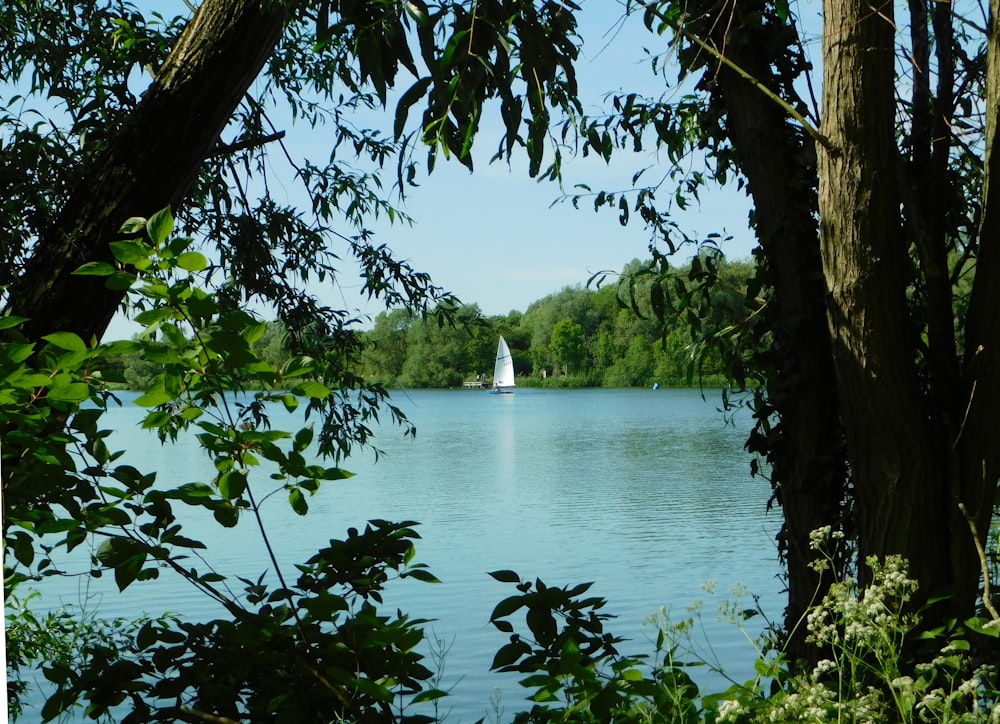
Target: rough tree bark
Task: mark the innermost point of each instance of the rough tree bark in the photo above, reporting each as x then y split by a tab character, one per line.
777	158
908	423
914	470
150	163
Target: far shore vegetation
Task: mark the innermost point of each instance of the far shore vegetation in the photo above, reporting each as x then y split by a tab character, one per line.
581	336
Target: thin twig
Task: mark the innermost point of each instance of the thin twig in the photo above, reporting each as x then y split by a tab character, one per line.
987	595
229	148
205	716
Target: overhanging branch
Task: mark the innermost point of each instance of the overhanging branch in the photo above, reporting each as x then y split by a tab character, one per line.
678	27
225	149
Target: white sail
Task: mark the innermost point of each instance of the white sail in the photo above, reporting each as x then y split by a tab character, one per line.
503	372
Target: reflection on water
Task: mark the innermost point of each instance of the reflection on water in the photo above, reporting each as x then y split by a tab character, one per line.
646	493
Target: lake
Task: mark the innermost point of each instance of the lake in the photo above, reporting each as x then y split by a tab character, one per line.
645	492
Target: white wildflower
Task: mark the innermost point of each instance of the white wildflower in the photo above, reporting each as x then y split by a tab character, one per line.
819	537
823	668
729	710
969	688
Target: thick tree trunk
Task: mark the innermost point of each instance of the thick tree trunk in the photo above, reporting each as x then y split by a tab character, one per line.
900	484
808	455
149	165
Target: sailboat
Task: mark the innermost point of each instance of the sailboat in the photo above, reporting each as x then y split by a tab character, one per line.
503	371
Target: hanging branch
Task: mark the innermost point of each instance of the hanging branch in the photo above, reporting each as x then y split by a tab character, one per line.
678	27
225	149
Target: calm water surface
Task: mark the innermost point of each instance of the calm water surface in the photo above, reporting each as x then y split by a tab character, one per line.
646	493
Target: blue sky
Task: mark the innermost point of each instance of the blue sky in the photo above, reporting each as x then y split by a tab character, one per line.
493	237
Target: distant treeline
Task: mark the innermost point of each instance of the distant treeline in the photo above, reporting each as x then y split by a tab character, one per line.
578	337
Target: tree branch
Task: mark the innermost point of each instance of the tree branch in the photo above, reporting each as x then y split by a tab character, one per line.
225	149
678	27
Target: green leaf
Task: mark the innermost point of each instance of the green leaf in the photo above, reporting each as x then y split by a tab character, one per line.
506	576
414	93
542	624
66	340
95	269
146	636
11	321
203	306
153	398
508	654
17	353
156	419
984	626
298	501
72	392
126	557
132	225
130	252
227	517
542	680
313	389
185	542
123	346
153	316
29	381
192	261
120	281
232	484
506	607
421	575
24	550
430	694
160	225
302	439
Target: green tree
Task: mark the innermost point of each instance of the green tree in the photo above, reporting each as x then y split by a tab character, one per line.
273	345
440	353
566	345
387	349
867	211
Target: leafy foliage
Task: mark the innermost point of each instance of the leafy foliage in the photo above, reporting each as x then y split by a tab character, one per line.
573	666
64	485
882	665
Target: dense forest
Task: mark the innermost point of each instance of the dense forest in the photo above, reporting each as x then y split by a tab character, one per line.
595	335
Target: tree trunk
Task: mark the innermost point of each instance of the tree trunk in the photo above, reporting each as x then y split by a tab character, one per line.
976	444
900	484
807	452
150	163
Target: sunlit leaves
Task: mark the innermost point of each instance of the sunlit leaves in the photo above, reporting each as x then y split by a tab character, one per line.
69	392
159	226
192	261
313	389
66	340
96	268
